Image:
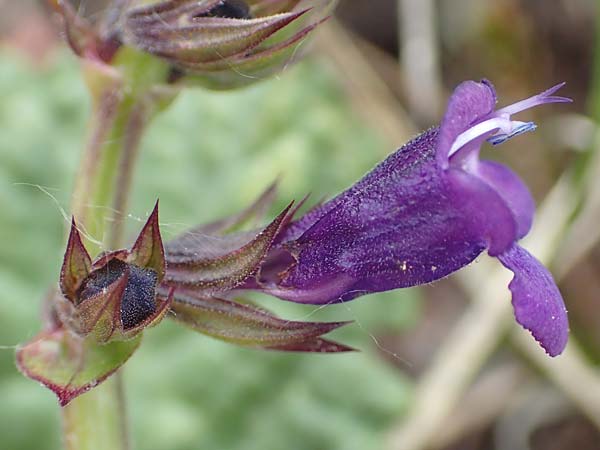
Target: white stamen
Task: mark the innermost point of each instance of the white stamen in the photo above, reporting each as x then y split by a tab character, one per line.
479	130
518	128
500	120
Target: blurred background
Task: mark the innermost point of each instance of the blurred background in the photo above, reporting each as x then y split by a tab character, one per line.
440	367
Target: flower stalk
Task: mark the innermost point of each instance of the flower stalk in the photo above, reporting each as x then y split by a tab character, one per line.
97	420
124	100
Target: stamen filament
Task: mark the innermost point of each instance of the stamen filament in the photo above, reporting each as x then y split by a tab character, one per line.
479	130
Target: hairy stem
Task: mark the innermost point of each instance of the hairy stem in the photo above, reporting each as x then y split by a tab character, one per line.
122	107
134	129
97	420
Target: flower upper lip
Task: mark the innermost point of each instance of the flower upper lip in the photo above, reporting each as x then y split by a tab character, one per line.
497	127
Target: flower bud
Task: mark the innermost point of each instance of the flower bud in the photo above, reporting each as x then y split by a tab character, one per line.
218	44
113	298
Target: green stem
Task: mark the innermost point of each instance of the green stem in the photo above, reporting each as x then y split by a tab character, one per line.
121	110
97	419
125	96
123	104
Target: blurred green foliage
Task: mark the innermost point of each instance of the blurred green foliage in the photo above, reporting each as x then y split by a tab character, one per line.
208	156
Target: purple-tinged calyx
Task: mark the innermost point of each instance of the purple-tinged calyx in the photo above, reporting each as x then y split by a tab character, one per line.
113	297
219	44
205	264
97	317
426	211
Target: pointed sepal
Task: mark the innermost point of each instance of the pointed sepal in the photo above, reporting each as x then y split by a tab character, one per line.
249	326
70	366
209	39
210	275
223	44
79	32
197	239
255	212
99	314
261	63
148	250
76	264
83	37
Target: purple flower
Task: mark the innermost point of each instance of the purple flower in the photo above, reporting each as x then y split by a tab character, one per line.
426	211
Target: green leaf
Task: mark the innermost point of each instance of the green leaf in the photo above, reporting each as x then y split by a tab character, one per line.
70	366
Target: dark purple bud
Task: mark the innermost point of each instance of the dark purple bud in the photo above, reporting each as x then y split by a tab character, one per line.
230	9
100	279
138	302
138	298
115	296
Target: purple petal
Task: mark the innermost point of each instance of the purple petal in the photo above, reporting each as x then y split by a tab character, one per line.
470	102
537	302
408	222
483	210
398	165
514	192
